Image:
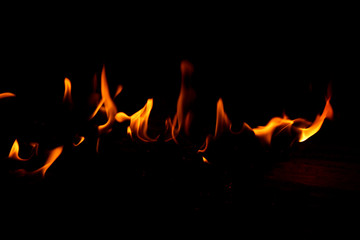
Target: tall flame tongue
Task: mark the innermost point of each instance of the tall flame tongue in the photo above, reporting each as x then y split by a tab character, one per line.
316	125
138	122
183	116
67	93
14	152
109	104
222	120
223	124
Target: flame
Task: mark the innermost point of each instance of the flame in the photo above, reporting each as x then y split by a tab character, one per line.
205	160
277	125
79	141
67	91
138	122
183	116
265	133
52	156
14	152
109	104
316	125
6	95
222	120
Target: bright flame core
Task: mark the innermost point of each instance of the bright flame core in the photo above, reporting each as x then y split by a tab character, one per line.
316	125
14	152
67	91
109	104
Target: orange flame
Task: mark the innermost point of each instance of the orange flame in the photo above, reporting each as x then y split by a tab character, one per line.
6	95
277	125
52	156
79	140
138	122
109	104
265	133
67	91
14	152
183	116
222	120
316	125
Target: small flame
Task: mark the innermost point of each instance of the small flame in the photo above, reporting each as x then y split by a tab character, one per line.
109	104
52	156
14	152
205	160
138	122
316	125
222	120
183	116
79	140
6	95
67	91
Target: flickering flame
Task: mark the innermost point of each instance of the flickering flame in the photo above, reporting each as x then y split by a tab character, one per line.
79	140
109	104
316	125
67	92
205	160
183	116
52	156
265	133
14	152
6	95
277	125
222	120
138	122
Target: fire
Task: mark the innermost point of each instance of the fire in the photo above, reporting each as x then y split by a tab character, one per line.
138	122
79	140
316	125
52	156
222	120
109	104
6	95
183	116
223	124
67	92
265	133
14	152
277	125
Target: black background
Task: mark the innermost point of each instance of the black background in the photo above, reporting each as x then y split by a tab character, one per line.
263	61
